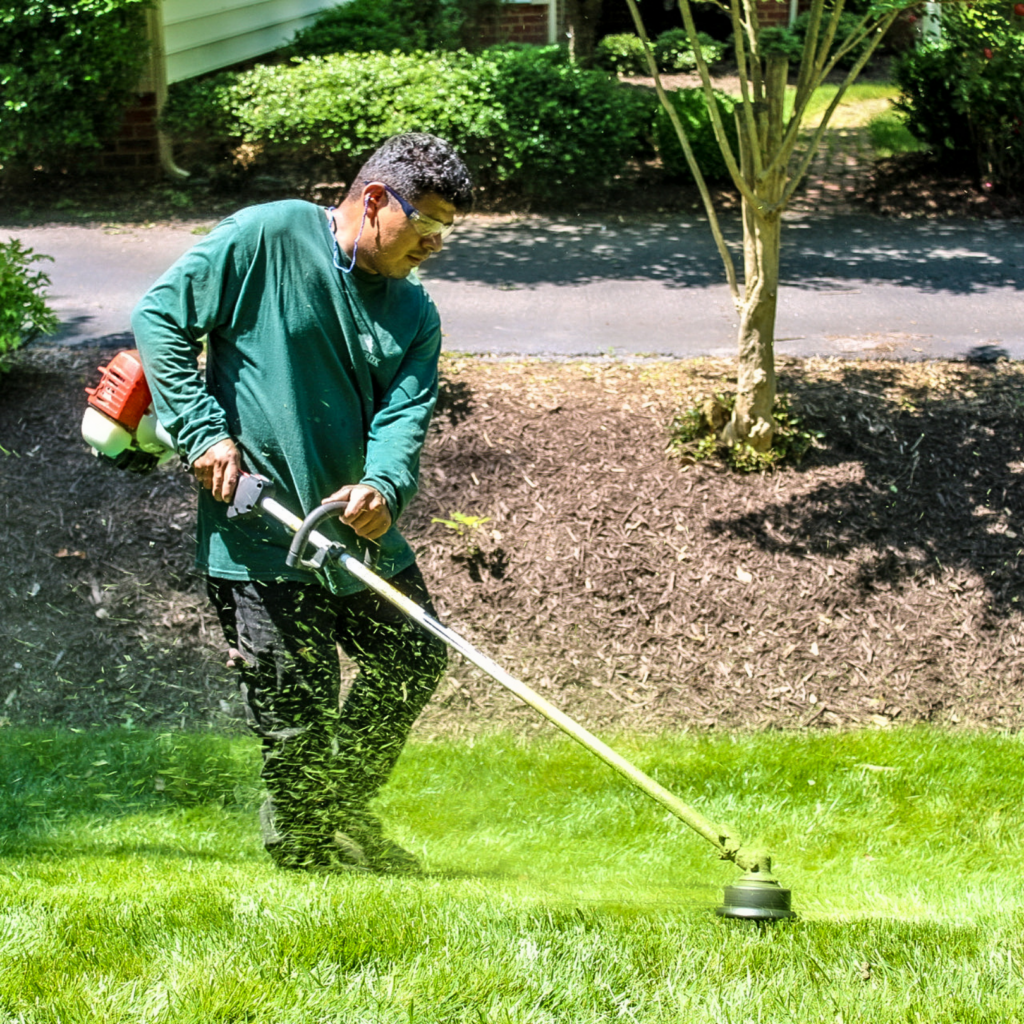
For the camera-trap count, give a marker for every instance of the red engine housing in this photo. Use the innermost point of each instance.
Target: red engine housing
(122, 393)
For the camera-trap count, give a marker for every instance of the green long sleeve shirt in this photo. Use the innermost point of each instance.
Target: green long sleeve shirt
(322, 378)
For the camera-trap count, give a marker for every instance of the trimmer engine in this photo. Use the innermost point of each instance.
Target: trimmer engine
(119, 422)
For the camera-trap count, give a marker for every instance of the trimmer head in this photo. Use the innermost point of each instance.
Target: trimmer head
(756, 898)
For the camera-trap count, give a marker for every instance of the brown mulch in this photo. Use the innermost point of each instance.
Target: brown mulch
(877, 582)
(914, 186)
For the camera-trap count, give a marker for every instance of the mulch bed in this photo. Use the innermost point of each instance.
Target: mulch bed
(913, 185)
(876, 582)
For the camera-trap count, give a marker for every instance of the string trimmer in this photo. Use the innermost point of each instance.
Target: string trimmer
(757, 895)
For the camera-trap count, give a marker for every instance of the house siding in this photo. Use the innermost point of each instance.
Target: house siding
(200, 36)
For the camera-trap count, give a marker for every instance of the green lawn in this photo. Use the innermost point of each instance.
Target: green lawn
(133, 888)
(861, 103)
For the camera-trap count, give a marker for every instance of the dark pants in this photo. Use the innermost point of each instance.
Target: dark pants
(323, 763)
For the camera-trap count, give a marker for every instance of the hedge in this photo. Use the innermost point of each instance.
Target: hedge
(524, 119)
(693, 112)
(67, 71)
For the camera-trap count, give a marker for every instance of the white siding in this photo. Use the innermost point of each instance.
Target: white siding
(203, 35)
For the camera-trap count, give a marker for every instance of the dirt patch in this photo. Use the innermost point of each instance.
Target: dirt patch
(877, 582)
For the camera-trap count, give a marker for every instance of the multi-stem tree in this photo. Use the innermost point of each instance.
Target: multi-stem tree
(772, 160)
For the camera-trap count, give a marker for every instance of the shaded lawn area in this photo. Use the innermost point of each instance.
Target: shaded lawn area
(132, 886)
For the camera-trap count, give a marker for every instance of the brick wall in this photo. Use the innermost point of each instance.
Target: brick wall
(135, 149)
(773, 12)
(516, 23)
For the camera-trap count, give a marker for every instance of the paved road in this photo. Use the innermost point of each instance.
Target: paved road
(852, 286)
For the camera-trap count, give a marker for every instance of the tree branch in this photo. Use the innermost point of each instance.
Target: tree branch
(691, 161)
(716, 121)
(813, 79)
(807, 58)
(739, 30)
(879, 31)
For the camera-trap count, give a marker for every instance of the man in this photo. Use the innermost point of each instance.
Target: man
(321, 374)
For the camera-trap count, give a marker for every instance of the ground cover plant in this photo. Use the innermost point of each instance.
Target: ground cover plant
(132, 886)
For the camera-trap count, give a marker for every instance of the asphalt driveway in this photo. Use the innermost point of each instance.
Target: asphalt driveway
(582, 286)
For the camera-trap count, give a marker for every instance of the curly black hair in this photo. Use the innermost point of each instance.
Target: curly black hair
(415, 164)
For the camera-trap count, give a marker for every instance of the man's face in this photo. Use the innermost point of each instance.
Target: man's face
(391, 245)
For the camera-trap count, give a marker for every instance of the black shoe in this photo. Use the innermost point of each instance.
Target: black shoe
(366, 834)
(359, 845)
(340, 853)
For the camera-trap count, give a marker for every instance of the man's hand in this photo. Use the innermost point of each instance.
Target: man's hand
(217, 469)
(367, 511)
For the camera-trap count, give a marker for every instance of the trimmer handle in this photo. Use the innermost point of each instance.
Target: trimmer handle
(254, 494)
(309, 524)
(250, 490)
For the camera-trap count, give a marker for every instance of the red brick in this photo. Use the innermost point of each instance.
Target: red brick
(117, 161)
(137, 131)
(136, 145)
(772, 12)
(140, 115)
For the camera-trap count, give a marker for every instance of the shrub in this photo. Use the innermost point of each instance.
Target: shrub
(359, 26)
(343, 106)
(964, 96)
(199, 110)
(674, 54)
(527, 119)
(567, 126)
(68, 68)
(693, 111)
(23, 309)
(365, 26)
(789, 42)
(622, 54)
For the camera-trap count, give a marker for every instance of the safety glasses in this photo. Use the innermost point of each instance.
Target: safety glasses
(423, 224)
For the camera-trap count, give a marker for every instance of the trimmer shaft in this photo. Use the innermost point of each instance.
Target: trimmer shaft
(756, 896)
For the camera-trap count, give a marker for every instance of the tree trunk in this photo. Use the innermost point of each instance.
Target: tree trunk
(752, 420)
(582, 17)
